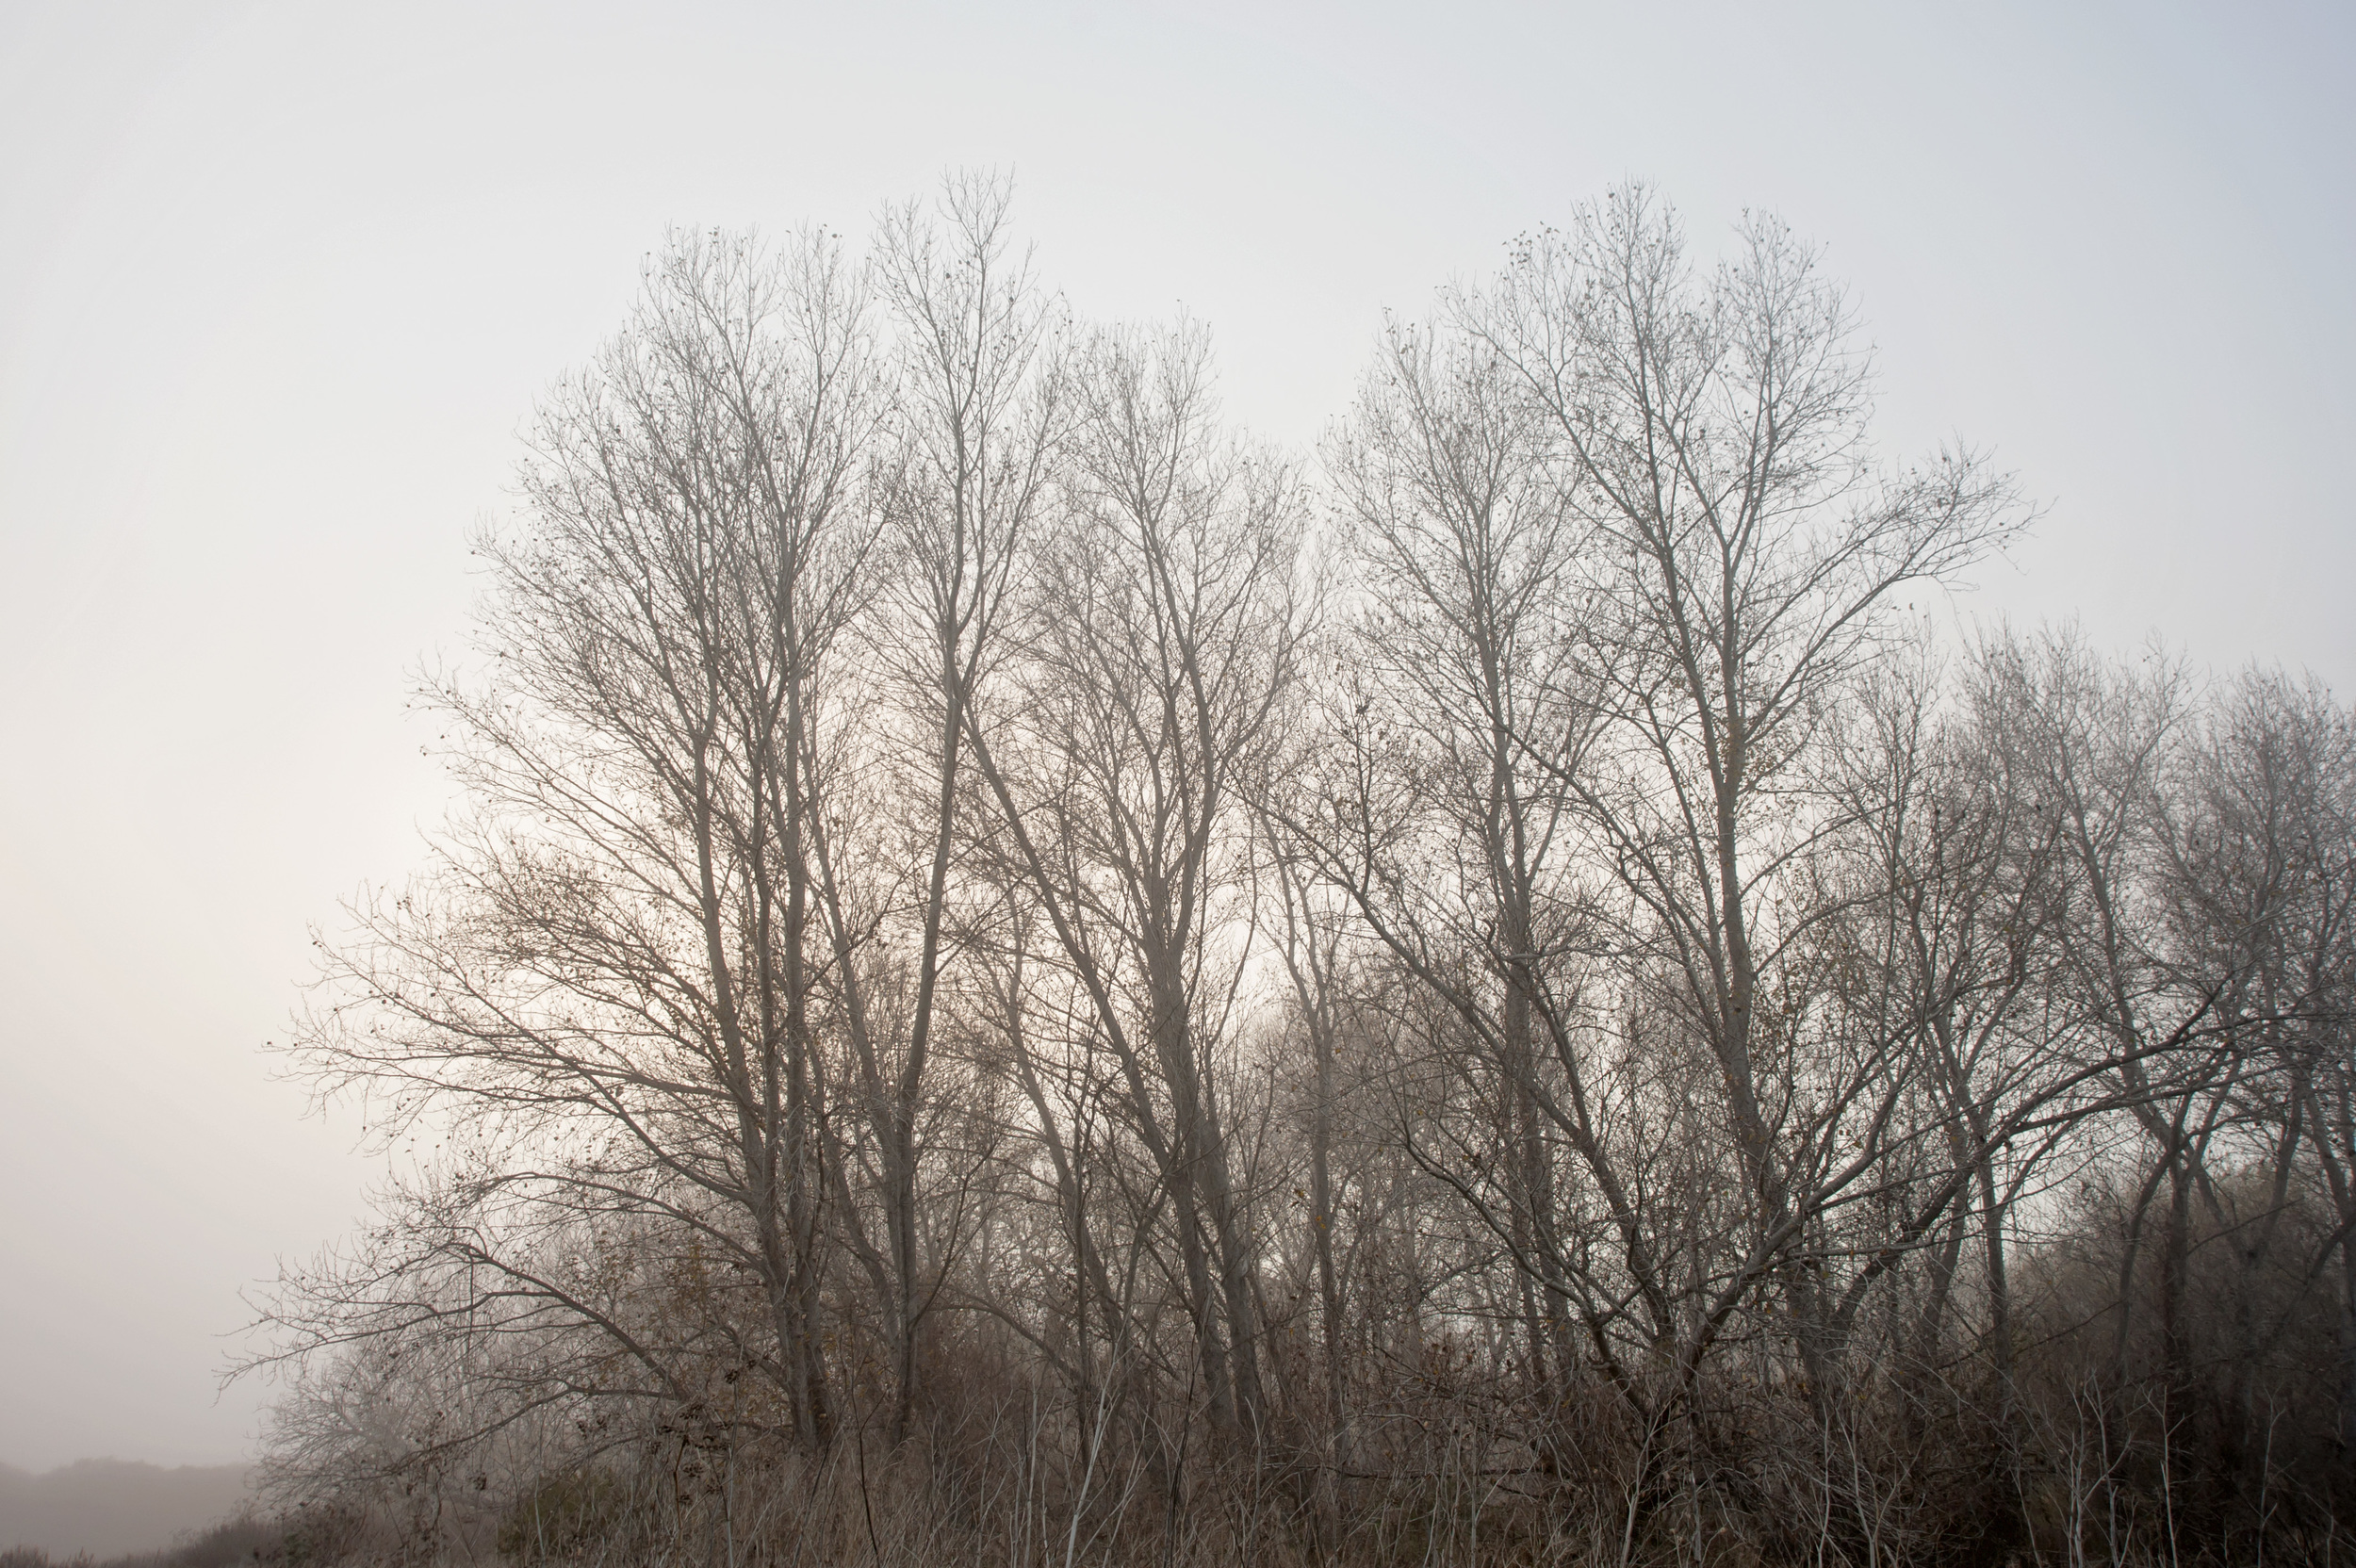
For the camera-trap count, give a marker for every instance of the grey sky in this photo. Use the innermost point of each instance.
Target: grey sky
(277, 289)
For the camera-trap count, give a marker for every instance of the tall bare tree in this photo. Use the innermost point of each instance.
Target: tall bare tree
(973, 425)
(1166, 627)
(614, 959)
(1747, 545)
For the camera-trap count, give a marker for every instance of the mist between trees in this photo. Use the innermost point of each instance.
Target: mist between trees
(1024, 978)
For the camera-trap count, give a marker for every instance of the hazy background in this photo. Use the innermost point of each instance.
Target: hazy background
(277, 289)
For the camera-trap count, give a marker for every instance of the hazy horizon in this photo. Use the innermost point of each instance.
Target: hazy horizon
(108, 1506)
(277, 291)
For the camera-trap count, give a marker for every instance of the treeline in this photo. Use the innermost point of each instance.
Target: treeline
(243, 1539)
(1025, 979)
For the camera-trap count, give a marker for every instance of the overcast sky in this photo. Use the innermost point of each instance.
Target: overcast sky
(278, 286)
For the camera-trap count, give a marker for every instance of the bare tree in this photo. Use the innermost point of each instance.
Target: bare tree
(612, 967)
(975, 420)
(1165, 628)
(2253, 831)
(1445, 817)
(1714, 438)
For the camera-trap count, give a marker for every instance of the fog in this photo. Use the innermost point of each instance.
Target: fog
(278, 289)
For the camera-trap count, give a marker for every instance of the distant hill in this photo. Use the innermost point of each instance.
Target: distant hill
(108, 1507)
